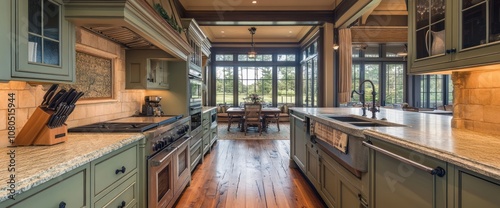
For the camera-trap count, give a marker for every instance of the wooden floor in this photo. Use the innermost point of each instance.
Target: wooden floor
(249, 173)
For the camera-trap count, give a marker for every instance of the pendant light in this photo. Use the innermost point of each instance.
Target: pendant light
(252, 53)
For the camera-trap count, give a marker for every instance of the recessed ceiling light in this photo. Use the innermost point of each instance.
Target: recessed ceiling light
(222, 31)
(290, 31)
(254, 2)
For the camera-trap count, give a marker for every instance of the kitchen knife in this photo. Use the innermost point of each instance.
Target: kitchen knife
(53, 118)
(53, 101)
(50, 92)
(71, 106)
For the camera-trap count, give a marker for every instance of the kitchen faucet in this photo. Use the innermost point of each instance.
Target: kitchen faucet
(362, 98)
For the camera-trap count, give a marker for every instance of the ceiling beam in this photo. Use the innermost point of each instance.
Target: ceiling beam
(207, 18)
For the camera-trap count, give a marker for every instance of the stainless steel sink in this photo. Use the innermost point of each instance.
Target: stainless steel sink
(363, 122)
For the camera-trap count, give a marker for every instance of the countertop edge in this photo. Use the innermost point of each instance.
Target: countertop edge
(446, 156)
(205, 109)
(59, 169)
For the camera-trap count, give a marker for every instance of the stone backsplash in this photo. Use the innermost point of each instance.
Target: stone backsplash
(29, 96)
(477, 101)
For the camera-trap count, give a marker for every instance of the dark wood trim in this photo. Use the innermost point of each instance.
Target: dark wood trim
(343, 7)
(180, 9)
(321, 67)
(207, 18)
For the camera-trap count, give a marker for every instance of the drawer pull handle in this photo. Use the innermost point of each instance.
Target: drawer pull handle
(120, 170)
(122, 205)
(439, 171)
(62, 204)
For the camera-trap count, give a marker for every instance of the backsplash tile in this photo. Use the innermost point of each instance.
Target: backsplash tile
(28, 97)
(477, 101)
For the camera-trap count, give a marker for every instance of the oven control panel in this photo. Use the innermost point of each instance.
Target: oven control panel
(167, 135)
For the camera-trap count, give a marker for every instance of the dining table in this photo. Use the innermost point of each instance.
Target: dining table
(240, 112)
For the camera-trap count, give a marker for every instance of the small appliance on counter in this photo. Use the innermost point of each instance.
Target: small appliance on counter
(152, 106)
(47, 124)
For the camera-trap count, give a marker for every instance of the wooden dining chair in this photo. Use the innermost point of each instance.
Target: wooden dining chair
(273, 118)
(253, 117)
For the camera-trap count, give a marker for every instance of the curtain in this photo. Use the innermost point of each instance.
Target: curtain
(345, 65)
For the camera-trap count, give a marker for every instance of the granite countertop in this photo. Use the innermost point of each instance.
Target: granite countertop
(35, 165)
(429, 134)
(205, 109)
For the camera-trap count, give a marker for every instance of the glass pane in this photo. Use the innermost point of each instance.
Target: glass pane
(421, 44)
(355, 52)
(228, 57)
(468, 3)
(50, 52)
(282, 72)
(34, 49)
(474, 26)
(281, 57)
(372, 72)
(51, 20)
(372, 51)
(164, 179)
(450, 91)
(219, 57)
(393, 50)
(267, 57)
(242, 57)
(290, 57)
(257, 58)
(437, 10)
(394, 84)
(422, 13)
(494, 20)
(35, 16)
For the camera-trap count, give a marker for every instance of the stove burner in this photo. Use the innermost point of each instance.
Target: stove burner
(115, 127)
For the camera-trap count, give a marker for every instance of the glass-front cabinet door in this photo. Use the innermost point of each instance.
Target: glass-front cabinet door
(429, 40)
(478, 28)
(44, 41)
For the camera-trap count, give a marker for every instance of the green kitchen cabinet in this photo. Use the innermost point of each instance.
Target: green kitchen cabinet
(196, 150)
(475, 190)
(213, 135)
(338, 186)
(72, 189)
(398, 174)
(298, 140)
(114, 176)
(42, 40)
(312, 164)
(447, 34)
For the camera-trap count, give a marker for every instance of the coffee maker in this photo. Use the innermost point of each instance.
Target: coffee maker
(152, 106)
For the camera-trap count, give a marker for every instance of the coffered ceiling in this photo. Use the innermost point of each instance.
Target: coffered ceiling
(277, 21)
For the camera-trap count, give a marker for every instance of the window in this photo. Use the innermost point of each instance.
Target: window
(258, 57)
(286, 57)
(394, 89)
(255, 80)
(433, 91)
(450, 91)
(224, 57)
(286, 84)
(224, 85)
(44, 32)
(309, 66)
(386, 72)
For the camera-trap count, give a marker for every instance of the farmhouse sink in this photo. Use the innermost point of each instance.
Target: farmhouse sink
(362, 121)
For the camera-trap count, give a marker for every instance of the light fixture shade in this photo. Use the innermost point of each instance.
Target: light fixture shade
(335, 47)
(252, 54)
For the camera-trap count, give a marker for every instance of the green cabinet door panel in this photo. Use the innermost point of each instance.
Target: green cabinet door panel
(474, 191)
(329, 181)
(299, 140)
(70, 190)
(397, 184)
(124, 194)
(110, 170)
(312, 165)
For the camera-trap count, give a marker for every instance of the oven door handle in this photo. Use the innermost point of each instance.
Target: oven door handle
(164, 154)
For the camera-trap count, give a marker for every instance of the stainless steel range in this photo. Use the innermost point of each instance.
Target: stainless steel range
(166, 163)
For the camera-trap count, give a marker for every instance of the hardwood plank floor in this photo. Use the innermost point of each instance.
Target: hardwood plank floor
(249, 173)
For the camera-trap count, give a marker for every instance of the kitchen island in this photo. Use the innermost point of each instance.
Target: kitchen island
(470, 159)
(37, 166)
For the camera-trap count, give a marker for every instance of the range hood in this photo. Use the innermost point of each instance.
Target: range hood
(132, 23)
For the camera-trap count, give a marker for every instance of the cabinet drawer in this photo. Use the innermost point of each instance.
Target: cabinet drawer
(205, 118)
(112, 169)
(70, 191)
(206, 128)
(125, 193)
(475, 191)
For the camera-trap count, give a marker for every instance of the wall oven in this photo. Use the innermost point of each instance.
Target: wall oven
(195, 88)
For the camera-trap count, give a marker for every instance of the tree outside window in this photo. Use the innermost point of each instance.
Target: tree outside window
(286, 84)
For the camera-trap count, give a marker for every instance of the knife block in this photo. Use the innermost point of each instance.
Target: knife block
(36, 131)
(48, 136)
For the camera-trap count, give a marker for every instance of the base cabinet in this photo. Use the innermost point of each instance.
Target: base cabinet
(298, 140)
(405, 184)
(313, 165)
(474, 190)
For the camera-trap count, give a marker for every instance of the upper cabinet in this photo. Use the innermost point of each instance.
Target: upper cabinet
(42, 41)
(446, 34)
(198, 42)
